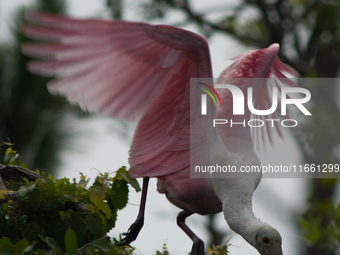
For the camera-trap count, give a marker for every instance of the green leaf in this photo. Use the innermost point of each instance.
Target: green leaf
(218, 250)
(102, 217)
(28, 249)
(61, 182)
(20, 246)
(71, 242)
(51, 177)
(51, 242)
(10, 156)
(95, 225)
(222, 249)
(50, 186)
(22, 192)
(33, 200)
(3, 194)
(125, 175)
(9, 150)
(102, 242)
(105, 209)
(39, 252)
(91, 250)
(165, 251)
(119, 193)
(91, 208)
(97, 195)
(114, 217)
(23, 165)
(56, 251)
(6, 245)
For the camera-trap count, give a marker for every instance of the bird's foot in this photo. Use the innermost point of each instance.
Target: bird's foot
(197, 248)
(132, 233)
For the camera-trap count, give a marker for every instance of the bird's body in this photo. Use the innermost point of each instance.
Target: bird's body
(194, 195)
(137, 70)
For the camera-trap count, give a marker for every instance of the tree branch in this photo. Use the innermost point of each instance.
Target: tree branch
(16, 173)
(202, 22)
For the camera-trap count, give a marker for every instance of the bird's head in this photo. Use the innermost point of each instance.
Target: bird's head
(267, 240)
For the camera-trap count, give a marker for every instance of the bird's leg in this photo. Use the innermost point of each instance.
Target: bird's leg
(134, 229)
(198, 245)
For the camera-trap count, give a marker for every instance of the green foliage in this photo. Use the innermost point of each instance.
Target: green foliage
(12, 158)
(218, 250)
(21, 247)
(155, 9)
(215, 250)
(164, 251)
(325, 235)
(57, 216)
(63, 215)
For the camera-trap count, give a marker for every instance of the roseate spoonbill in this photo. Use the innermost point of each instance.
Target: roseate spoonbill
(136, 70)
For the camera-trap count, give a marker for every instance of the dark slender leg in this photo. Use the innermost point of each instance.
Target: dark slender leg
(134, 229)
(198, 245)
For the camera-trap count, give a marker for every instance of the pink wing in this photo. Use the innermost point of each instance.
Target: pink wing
(114, 68)
(128, 70)
(262, 63)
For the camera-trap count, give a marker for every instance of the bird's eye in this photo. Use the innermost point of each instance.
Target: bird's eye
(265, 239)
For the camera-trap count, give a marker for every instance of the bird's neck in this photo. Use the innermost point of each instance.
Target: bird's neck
(233, 147)
(236, 197)
(235, 190)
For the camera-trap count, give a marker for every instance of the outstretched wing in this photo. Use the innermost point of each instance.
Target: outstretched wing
(262, 70)
(128, 70)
